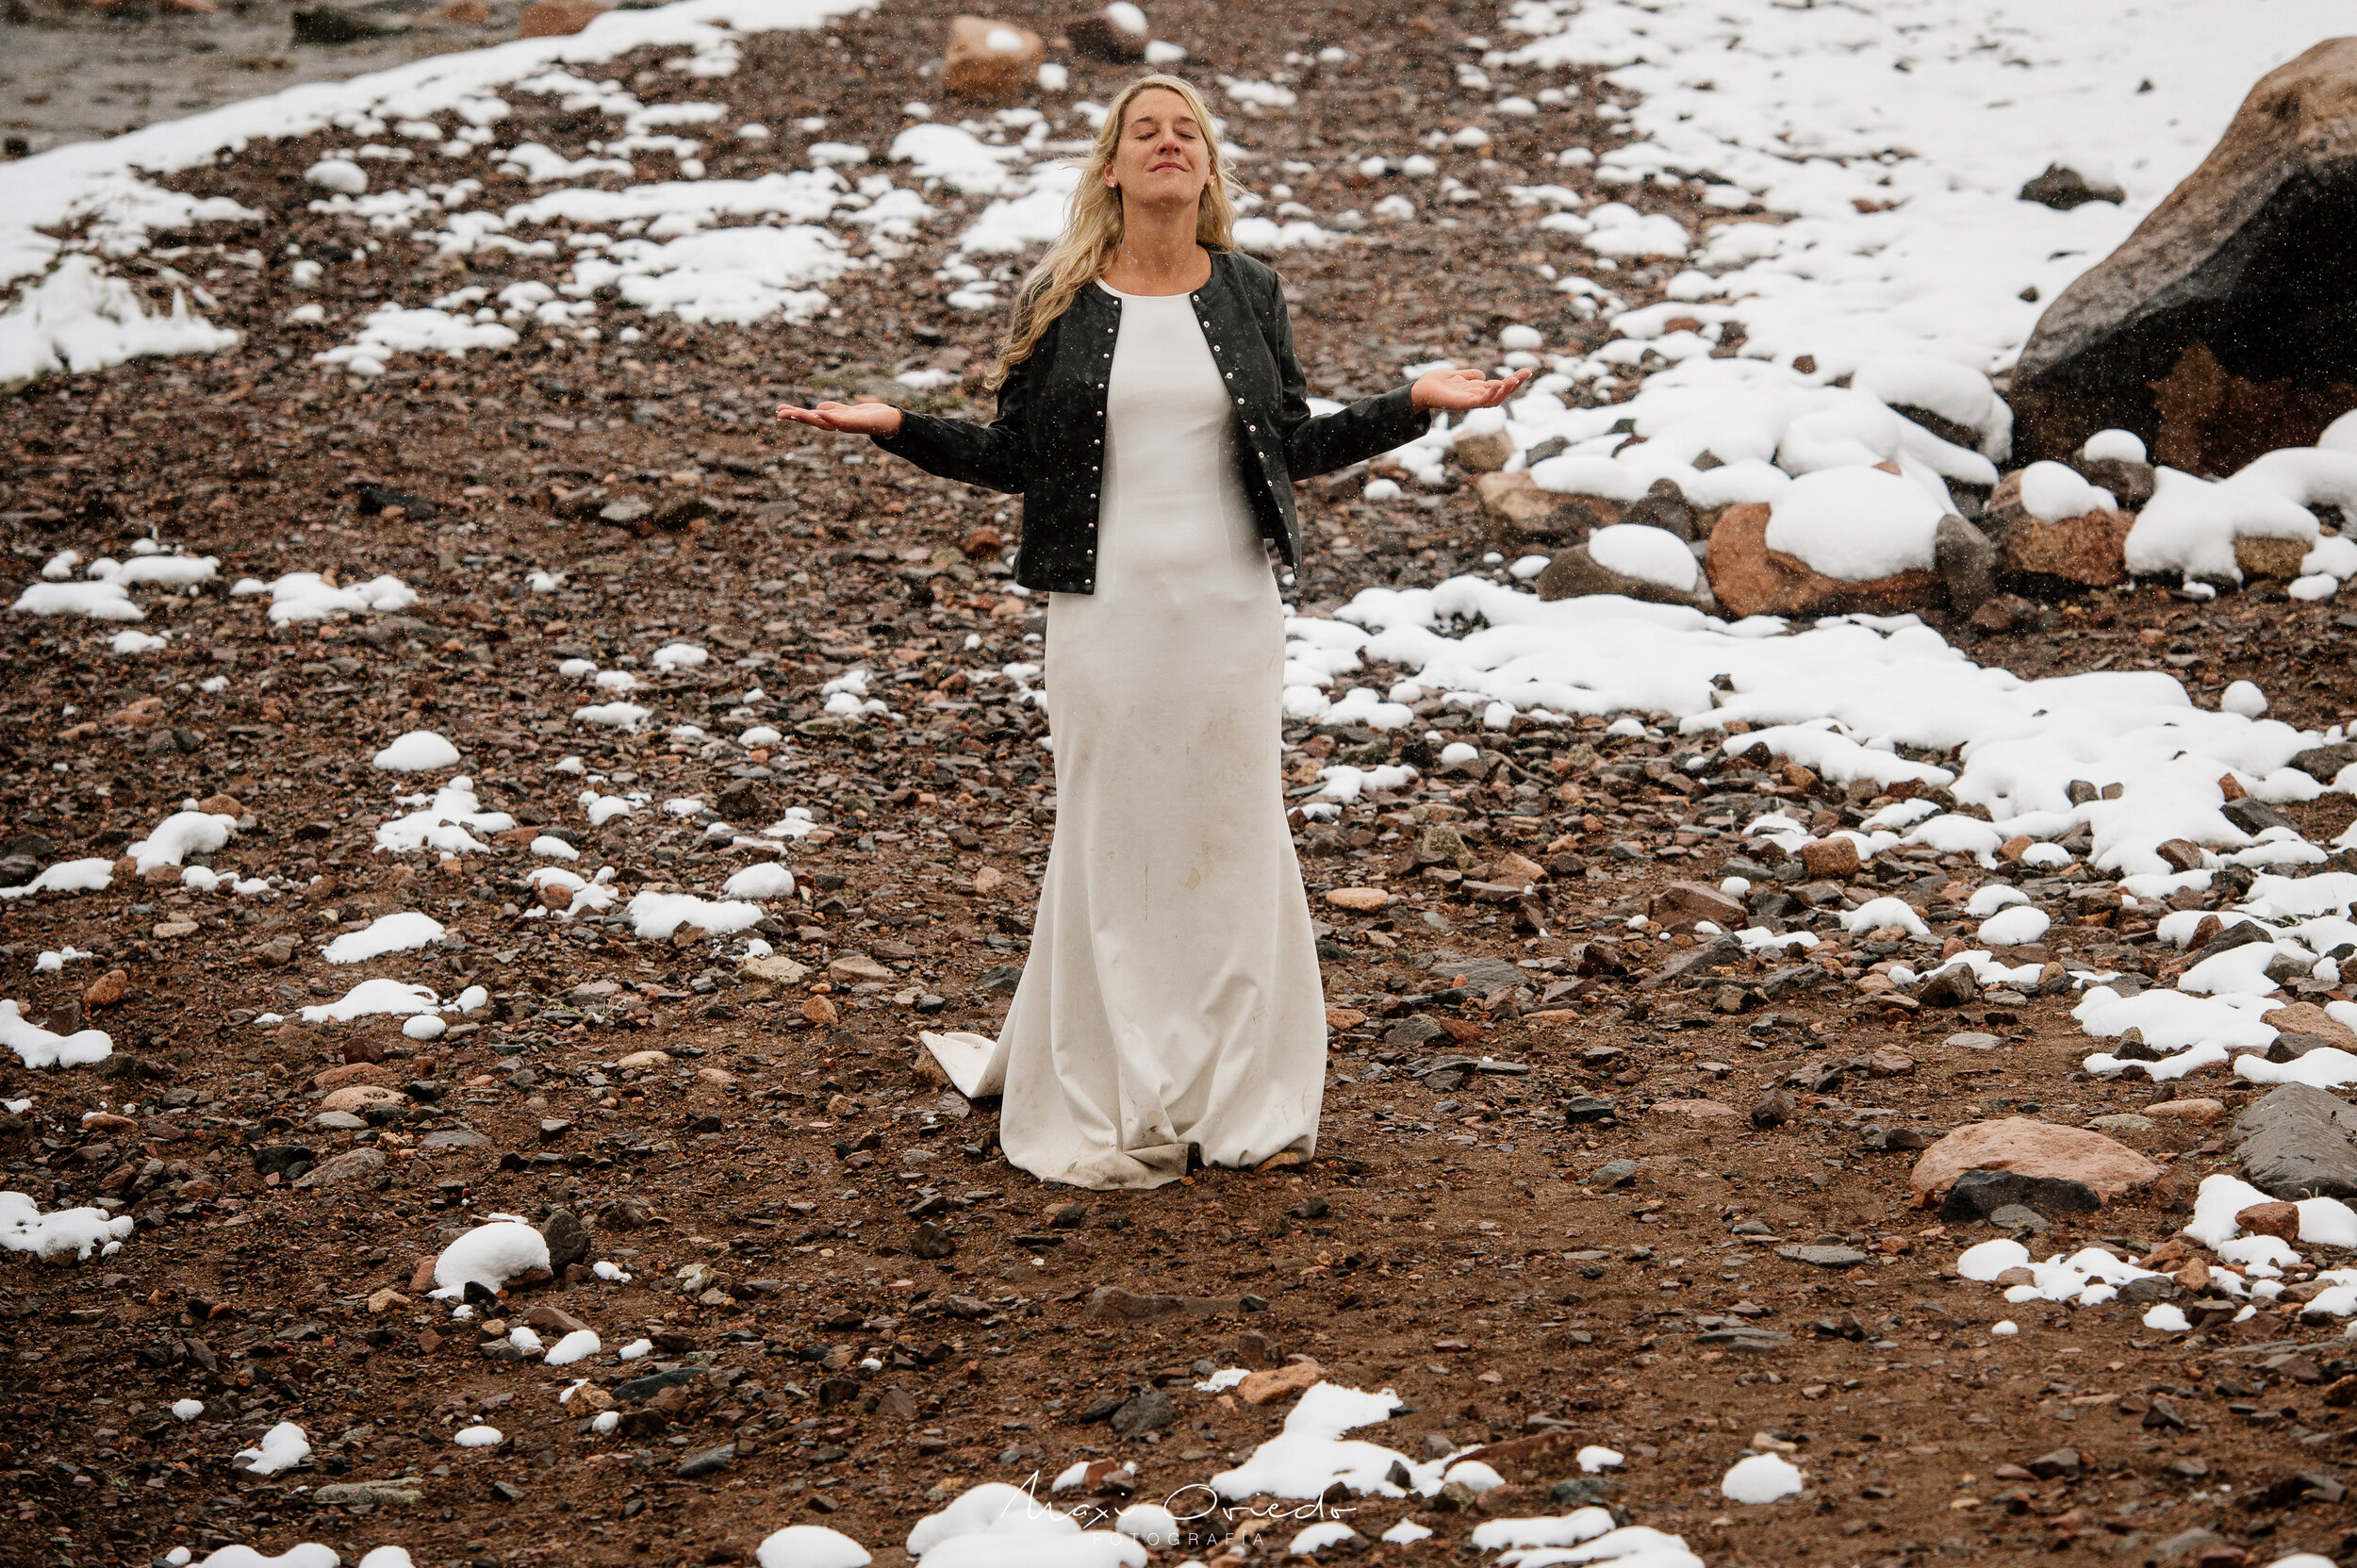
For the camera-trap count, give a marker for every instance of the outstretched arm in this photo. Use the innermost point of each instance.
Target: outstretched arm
(1371, 426)
(989, 455)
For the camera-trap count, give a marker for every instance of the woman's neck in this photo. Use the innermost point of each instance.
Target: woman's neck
(1157, 254)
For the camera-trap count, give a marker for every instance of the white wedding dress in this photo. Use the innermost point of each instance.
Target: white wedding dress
(1171, 999)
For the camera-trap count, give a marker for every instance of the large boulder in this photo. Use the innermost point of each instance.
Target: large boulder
(2105, 1167)
(2217, 331)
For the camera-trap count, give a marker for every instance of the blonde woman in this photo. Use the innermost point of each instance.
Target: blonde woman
(1153, 414)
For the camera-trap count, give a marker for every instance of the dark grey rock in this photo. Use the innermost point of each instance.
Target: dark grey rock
(1693, 965)
(2324, 762)
(2063, 187)
(1965, 559)
(1588, 1109)
(639, 1390)
(1614, 1173)
(335, 25)
(2014, 1219)
(1980, 1193)
(1758, 1341)
(1146, 1411)
(2299, 1142)
(280, 1157)
(706, 1462)
(567, 1239)
(2255, 817)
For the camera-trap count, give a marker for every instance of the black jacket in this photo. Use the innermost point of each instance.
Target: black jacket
(1049, 441)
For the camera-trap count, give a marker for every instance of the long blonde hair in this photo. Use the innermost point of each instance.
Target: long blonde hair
(1093, 225)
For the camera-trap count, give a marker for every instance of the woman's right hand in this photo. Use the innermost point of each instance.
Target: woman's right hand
(851, 418)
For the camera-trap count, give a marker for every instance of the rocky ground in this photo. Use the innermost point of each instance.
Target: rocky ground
(76, 71)
(1573, 1185)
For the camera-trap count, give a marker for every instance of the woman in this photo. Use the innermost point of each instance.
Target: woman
(1151, 411)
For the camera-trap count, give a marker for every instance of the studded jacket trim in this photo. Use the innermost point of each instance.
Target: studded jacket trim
(1047, 443)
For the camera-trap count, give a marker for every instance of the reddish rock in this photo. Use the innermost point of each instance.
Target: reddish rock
(1747, 578)
(2180, 853)
(2087, 548)
(1831, 857)
(990, 59)
(2278, 1219)
(2030, 1148)
(1259, 1388)
(557, 18)
(107, 989)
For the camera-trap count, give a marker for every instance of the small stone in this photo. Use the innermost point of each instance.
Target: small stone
(107, 989)
(2278, 1219)
(1890, 1064)
(1613, 1173)
(1774, 1109)
(364, 1493)
(1831, 857)
(818, 1010)
(2180, 854)
(2199, 1112)
(353, 1165)
(776, 969)
(1950, 988)
(1684, 903)
(1694, 1109)
(1360, 899)
(1973, 1040)
(931, 1241)
(332, 25)
(1259, 1388)
(2062, 1463)
(1821, 1256)
(859, 966)
(1146, 1411)
(567, 1240)
(557, 18)
(706, 1462)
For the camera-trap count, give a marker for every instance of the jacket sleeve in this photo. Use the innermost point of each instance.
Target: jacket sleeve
(1321, 444)
(992, 455)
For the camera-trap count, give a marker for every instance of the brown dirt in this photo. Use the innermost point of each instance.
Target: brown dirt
(1453, 1238)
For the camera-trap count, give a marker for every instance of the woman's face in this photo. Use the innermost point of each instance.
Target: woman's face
(1162, 156)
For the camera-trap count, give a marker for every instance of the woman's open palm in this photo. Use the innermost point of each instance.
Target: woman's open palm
(1465, 388)
(851, 418)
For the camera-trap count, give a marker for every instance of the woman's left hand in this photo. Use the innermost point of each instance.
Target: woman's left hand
(1465, 388)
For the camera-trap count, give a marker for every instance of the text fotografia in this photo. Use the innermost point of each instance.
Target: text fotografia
(1202, 1515)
